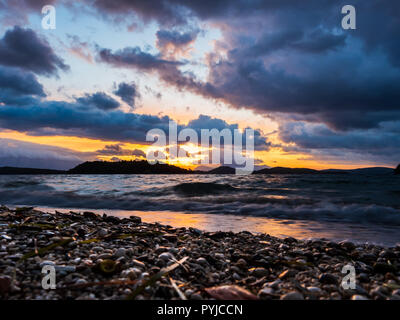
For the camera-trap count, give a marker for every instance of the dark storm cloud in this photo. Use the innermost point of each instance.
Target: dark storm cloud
(378, 144)
(168, 70)
(33, 4)
(24, 49)
(335, 88)
(207, 122)
(315, 41)
(19, 82)
(175, 41)
(127, 92)
(137, 58)
(172, 12)
(291, 58)
(99, 100)
(340, 90)
(71, 119)
(17, 87)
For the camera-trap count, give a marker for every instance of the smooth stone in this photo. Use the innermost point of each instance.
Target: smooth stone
(314, 290)
(287, 274)
(102, 232)
(202, 261)
(327, 278)
(80, 281)
(235, 276)
(258, 272)
(47, 263)
(294, 295)
(104, 256)
(266, 292)
(165, 256)
(65, 268)
(120, 252)
(274, 284)
(138, 263)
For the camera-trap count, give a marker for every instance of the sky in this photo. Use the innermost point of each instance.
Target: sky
(317, 96)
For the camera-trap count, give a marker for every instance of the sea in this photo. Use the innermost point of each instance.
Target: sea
(362, 208)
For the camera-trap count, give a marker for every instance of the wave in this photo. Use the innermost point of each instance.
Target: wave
(20, 184)
(239, 204)
(202, 188)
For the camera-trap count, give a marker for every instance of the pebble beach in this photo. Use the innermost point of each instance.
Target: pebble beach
(100, 257)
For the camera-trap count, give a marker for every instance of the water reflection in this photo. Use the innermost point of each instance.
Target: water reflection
(384, 235)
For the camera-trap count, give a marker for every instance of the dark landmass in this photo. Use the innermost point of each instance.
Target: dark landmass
(127, 167)
(281, 170)
(143, 167)
(13, 170)
(222, 170)
(373, 170)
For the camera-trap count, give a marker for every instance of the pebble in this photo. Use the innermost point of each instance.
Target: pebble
(165, 256)
(202, 261)
(102, 232)
(274, 284)
(120, 252)
(294, 295)
(80, 281)
(104, 256)
(258, 272)
(314, 290)
(328, 278)
(266, 292)
(256, 262)
(138, 263)
(287, 274)
(47, 263)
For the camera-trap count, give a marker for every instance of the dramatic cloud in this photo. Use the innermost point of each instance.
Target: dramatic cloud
(333, 91)
(24, 49)
(72, 119)
(378, 145)
(17, 87)
(127, 92)
(175, 44)
(99, 100)
(283, 58)
(168, 70)
(207, 122)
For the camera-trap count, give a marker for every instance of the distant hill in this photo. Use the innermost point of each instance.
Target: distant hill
(143, 167)
(126, 167)
(373, 170)
(282, 170)
(14, 170)
(222, 170)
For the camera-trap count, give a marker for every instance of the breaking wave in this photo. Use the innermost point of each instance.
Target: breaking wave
(273, 197)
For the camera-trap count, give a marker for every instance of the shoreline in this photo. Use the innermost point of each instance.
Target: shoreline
(106, 257)
(332, 230)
